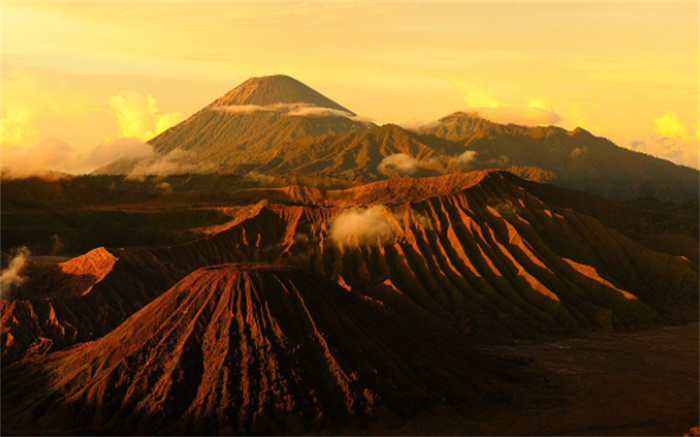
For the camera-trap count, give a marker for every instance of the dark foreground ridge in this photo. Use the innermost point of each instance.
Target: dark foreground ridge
(246, 348)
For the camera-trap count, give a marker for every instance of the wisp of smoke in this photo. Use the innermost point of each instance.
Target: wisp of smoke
(12, 276)
(399, 162)
(361, 226)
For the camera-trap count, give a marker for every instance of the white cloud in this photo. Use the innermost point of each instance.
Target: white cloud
(138, 115)
(54, 155)
(401, 163)
(175, 162)
(466, 157)
(361, 226)
(292, 109)
(12, 276)
(669, 126)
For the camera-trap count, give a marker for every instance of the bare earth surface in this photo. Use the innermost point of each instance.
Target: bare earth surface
(630, 383)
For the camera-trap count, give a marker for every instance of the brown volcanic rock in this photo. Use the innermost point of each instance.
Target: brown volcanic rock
(225, 138)
(228, 140)
(243, 349)
(406, 190)
(355, 154)
(270, 90)
(81, 299)
(482, 255)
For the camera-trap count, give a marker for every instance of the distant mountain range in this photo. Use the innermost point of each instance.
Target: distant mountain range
(276, 125)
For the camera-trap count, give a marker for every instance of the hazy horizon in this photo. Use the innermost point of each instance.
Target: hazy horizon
(83, 76)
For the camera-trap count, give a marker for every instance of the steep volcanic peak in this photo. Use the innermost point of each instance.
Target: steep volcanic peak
(275, 90)
(244, 348)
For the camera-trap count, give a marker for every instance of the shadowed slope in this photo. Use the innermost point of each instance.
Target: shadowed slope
(278, 125)
(238, 349)
(232, 131)
(579, 159)
(481, 255)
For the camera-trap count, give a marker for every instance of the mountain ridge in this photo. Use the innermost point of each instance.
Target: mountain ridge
(449, 253)
(253, 128)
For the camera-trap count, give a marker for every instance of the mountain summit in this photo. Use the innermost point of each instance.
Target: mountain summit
(277, 89)
(278, 126)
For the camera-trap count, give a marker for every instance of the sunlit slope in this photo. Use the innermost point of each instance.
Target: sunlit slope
(254, 117)
(238, 349)
(276, 125)
(477, 253)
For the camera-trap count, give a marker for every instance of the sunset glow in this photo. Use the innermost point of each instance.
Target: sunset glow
(88, 74)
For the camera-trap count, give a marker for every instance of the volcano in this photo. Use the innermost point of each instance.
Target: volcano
(230, 133)
(244, 348)
(277, 125)
(274, 90)
(482, 254)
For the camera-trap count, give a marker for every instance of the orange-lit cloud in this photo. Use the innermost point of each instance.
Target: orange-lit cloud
(479, 95)
(668, 126)
(138, 115)
(368, 225)
(670, 141)
(15, 126)
(55, 156)
(610, 68)
(482, 99)
(539, 103)
(33, 104)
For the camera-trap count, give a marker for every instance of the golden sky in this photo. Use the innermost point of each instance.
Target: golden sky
(78, 78)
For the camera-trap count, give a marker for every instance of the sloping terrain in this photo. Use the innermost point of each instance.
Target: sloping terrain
(270, 90)
(239, 349)
(478, 254)
(235, 129)
(276, 125)
(579, 159)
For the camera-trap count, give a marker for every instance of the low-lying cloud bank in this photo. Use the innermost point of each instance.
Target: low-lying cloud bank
(292, 109)
(361, 226)
(55, 156)
(134, 158)
(173, 163)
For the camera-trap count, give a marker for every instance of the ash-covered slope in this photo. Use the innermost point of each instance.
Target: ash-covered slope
(238, 349)
(479, 253)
